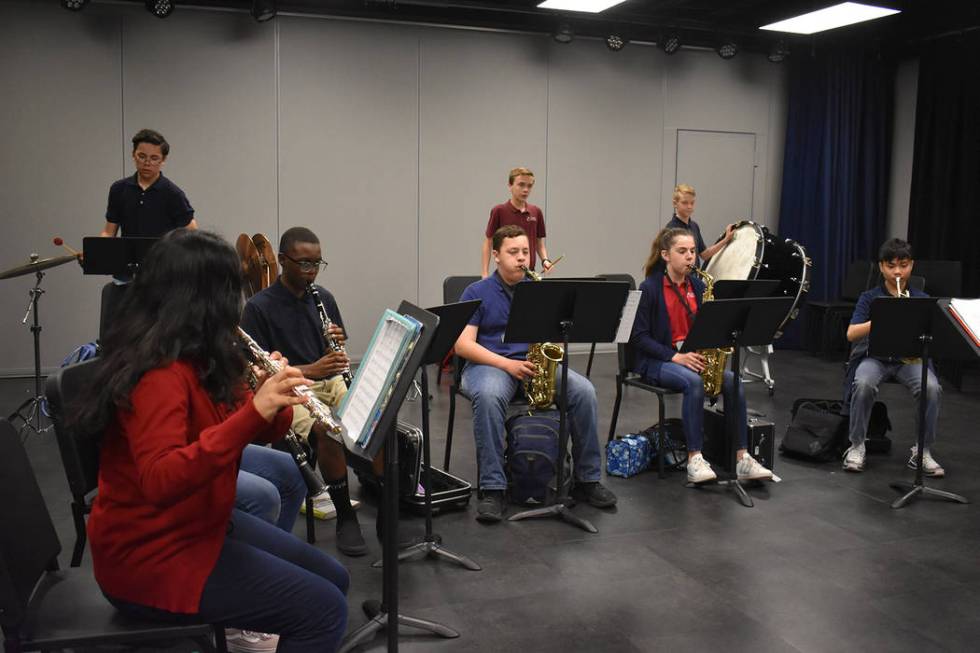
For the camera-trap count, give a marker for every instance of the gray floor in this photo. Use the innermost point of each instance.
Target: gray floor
(821, 563)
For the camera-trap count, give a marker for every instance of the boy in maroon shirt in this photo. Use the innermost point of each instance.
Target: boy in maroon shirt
(518, 211)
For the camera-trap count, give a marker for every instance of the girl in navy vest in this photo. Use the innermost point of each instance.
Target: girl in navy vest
(668, 308)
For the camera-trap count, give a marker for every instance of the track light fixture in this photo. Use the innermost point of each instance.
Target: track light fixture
(670, 43)
(74, 5)
(727, 50)
(564, 33)
(263, 10)
(615, 42)
(159, 8)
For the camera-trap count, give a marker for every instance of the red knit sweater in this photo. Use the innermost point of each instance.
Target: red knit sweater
(167, 487)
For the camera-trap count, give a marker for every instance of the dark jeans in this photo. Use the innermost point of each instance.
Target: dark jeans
(678, 377)
(269, 581)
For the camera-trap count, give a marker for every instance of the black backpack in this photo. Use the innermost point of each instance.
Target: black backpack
(818, 432)
(532, 456)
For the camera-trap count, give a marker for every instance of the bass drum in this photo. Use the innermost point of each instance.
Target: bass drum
(755, 253)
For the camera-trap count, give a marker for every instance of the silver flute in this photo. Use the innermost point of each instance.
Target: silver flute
(318, 410)
(332, 343)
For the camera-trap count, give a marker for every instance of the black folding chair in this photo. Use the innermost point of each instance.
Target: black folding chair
(626, 377)
(452, 290)
(46, 608)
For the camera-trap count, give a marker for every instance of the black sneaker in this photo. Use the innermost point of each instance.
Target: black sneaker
(491, 506)
(349, 539)
(595, 494)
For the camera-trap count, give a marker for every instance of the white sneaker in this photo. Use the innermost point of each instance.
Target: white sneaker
(750, 469)
(854, 458)
(929, 465)
(699, 470)
(248, 641)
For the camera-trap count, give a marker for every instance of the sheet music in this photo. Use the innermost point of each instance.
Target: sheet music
(967, 313)
(376, 374)
(629, 315)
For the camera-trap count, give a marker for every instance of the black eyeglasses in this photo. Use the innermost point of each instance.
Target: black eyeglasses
(305, 265)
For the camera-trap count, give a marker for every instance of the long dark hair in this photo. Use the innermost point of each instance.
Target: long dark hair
(185, 304)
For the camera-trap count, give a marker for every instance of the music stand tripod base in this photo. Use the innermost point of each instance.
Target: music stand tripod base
(559, 510)
(732, 483)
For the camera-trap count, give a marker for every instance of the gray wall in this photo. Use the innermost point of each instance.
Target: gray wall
(391, 141)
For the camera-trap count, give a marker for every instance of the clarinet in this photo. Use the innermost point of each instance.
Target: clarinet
(332, 343)
(314, 484)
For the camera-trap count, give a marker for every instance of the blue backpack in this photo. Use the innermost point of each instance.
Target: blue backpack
(532, 456)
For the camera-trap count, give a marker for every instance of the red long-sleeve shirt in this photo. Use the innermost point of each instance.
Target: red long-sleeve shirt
(167, 488)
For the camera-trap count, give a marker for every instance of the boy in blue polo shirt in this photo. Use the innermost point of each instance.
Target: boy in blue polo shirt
(866, 373)
(493, 376)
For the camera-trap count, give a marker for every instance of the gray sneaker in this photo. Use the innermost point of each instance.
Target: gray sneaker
(854, 458)
(699, 470)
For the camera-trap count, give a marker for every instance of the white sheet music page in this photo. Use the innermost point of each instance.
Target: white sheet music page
(629, 315)
(373, 377)
(967, 313)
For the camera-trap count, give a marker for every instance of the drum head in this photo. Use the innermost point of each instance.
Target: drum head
(740, 258)
(251, 270)
(267, 259)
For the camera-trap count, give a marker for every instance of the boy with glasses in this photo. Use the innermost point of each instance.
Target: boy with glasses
(147, 204)
(284, 318)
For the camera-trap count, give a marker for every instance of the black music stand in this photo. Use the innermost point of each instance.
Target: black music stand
(452, 321)
(379, 613)
(114, 255)
(566, 311)
(736, 323)
(905, 329)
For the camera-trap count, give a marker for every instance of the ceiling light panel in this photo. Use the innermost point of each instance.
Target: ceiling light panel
(846, 13)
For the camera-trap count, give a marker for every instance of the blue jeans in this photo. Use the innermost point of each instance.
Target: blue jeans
(271, 582)
(270, 486)
(686, 380)
(869, 375)
(491, 389)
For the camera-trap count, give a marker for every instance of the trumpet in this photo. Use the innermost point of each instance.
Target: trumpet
(332, 342)
(898, 285)
(318, 410)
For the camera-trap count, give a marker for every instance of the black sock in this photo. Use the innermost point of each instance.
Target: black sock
(340, 495)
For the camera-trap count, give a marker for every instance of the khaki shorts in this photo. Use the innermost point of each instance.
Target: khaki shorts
(329, 391)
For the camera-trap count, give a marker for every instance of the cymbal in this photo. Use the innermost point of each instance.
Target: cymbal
(37, 265)
(251, 268)
(267, 258)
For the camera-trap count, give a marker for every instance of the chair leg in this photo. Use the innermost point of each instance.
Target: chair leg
(449, 427)
(588, 368)
(219, 639)
(660, 445)
(310, 521)
(78, 516)
(615, 415)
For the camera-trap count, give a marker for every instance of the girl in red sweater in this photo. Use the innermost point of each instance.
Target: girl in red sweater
(175, 414)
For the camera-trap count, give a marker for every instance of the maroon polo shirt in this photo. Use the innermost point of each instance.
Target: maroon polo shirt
(531, 219)
(680, 321)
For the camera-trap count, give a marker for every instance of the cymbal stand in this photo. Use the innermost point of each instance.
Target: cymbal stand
(30, 409)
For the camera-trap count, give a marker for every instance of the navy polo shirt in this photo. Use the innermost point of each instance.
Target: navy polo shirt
(862, 313)
(492, 315)
(280, 321)
(152, 212)
(692, 226)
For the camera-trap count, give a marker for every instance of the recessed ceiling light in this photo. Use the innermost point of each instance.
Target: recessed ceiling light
(591, 6)
(846, 13)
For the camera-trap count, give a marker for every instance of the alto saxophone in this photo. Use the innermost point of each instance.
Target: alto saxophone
(713, 373)
(332, 343)
(314, 484)
(545, 356)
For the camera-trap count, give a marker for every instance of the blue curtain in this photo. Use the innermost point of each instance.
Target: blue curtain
(836, 163)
